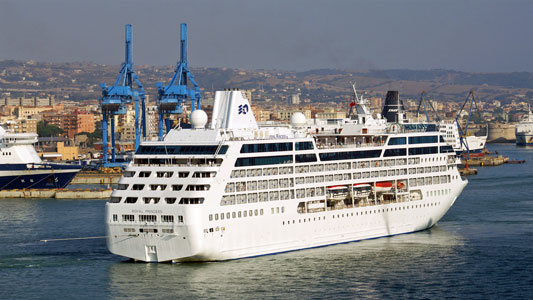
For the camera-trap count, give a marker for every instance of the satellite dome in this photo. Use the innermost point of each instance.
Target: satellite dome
(298, 120)
(198, 118)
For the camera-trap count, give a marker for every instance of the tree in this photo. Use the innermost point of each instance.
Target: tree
(92, 137)
(48, 130)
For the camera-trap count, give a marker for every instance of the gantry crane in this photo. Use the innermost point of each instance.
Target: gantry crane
(116, 97)
(423, 103)
(463, 132)
(172, 97)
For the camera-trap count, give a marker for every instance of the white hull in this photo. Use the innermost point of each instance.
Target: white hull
(269, 234)
(524, 139)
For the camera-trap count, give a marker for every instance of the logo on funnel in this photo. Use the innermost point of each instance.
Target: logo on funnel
(243, 109)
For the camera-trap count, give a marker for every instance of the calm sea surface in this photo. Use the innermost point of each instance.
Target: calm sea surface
(482, 249)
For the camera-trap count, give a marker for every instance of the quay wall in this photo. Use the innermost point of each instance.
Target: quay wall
(58, 194)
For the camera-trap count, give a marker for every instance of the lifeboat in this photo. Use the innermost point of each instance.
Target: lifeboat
(362, 189)
(337, 192)
(384, 186)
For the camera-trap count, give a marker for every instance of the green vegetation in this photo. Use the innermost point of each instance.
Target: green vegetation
(48, 130)
(92, 137)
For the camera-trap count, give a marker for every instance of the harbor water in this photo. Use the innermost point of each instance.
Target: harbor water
(482, 249)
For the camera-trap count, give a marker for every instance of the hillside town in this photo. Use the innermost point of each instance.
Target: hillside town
(38, 98)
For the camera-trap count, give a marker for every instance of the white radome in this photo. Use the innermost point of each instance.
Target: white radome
(198, 119)
(298, 120)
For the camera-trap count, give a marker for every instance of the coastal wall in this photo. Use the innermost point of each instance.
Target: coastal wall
(501, 133)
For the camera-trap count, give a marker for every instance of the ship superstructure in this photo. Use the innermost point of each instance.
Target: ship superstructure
(472, 143)
(22, 168)
(236, 189)
(524, 130)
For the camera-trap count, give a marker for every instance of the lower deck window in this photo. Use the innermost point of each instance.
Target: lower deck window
(147, 218)
(128, 218)
(167, 219)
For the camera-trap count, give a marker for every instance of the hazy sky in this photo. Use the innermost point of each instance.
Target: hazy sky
(482, 36)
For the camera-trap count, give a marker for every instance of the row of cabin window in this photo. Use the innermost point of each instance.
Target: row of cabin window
(169, 174)
(421, 181)
(270, 196)
(288, 182)
(366, 212)
(261, 172)
(331, 156)
(162, 187)
(6, 153)
(320, 167)
(259, 185)
(333, 166)
(236, 214)
(187, 161)
(437, 193)
(156, 200)
(312, 192)
(330, 167)
(148, 218)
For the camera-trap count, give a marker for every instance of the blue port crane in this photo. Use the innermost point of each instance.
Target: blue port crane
(424, 104)
(463, 132)
(115, 98)
(172, 97)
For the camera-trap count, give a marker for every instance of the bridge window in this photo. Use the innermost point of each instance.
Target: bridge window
(302, 158)
(395, 152)
(304, 146)
(423, 139)
(266, 160)
(349, 155)
(397, 141)
(270, 147)
(423, 150)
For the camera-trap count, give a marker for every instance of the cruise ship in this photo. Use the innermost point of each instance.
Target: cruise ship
(473, 144)
(234, 189)
(22, 168)
(524, 130)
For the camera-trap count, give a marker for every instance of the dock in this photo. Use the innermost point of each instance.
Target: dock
(58, 194)
(467, 172)
(486, 161)
(96, 178)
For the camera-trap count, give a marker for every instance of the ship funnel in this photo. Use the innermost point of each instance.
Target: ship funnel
(393, 110)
